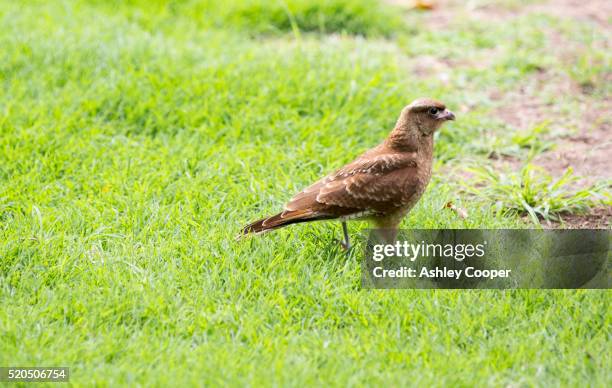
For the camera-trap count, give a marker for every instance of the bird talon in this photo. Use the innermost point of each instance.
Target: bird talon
(342, 244)
(346, 246)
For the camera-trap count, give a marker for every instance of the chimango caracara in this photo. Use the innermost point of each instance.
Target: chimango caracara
(381, 185)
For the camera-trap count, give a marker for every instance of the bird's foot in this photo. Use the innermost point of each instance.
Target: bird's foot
(346, 245)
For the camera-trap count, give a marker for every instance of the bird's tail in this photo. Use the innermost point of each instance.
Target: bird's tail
(280, 220)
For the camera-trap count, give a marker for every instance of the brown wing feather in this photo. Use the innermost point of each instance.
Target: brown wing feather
(377, 183)
(381, 194)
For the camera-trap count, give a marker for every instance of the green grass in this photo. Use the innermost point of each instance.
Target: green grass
(533, 192)
(136, 139)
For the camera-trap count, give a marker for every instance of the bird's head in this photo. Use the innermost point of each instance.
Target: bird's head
(424, 115)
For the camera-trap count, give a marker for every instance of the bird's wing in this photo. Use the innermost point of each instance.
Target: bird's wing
(375, 184)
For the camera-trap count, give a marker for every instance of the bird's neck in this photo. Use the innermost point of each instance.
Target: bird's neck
(403, 140)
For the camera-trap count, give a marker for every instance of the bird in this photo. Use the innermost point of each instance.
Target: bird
(382, 185)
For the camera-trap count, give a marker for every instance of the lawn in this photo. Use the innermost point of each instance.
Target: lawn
(137, 138)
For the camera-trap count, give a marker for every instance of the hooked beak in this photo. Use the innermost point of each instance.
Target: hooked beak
(447, 115)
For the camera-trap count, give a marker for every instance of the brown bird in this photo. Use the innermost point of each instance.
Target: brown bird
(382, 185)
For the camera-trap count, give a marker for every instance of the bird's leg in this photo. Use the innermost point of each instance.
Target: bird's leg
(346, 243)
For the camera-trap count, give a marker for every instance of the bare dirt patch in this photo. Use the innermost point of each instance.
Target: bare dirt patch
(440, 14)
(582, 137)
(588, 151)
(600, 218)
(588, 154)
(597, 11)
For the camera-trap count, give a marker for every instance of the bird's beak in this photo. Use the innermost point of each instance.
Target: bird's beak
(447, 115)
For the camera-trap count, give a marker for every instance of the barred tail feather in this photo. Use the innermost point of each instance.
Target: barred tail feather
(281, 220)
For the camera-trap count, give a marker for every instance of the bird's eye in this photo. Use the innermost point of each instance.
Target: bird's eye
(433, 111)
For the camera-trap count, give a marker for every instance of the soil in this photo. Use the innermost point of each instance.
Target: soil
(441, 13)
(585, 143)
(600, 218)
